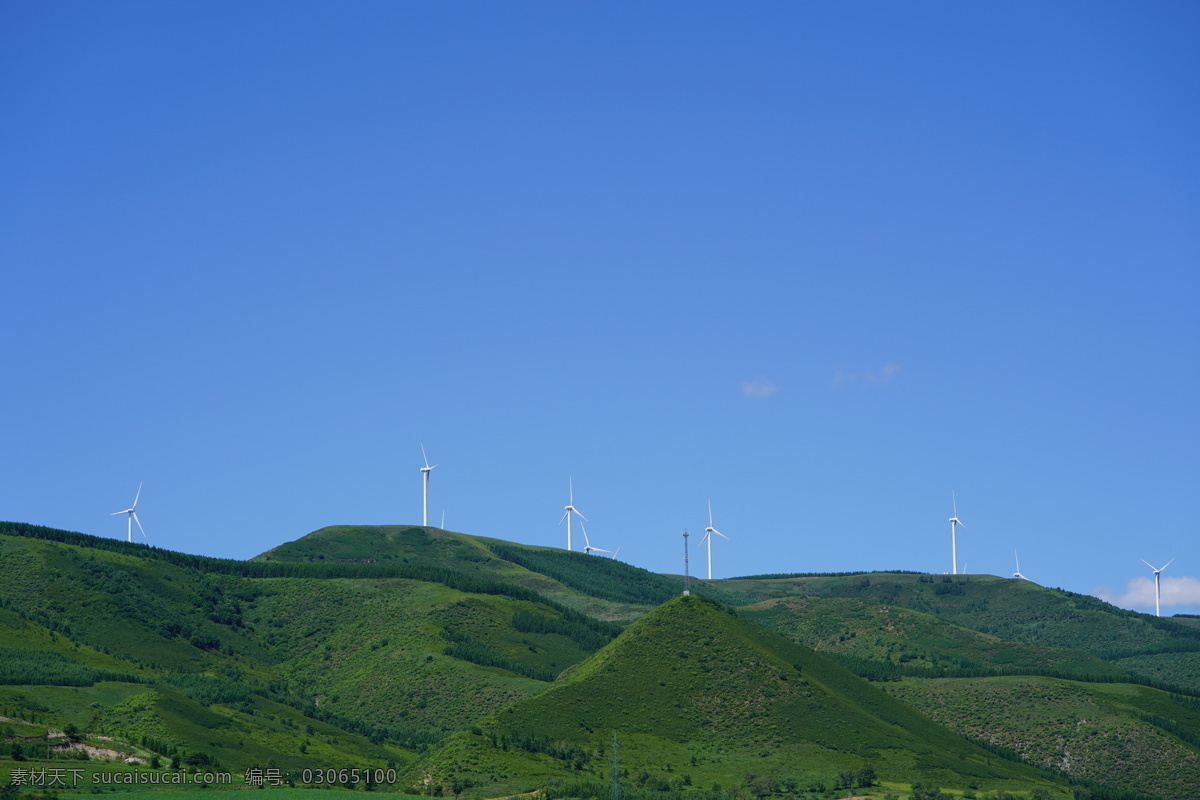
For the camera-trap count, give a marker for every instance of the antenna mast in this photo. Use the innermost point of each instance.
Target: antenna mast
(687, 581)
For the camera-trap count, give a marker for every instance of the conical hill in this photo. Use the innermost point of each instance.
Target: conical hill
(700, 696)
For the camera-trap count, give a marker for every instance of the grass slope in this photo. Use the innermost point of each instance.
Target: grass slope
(376, 650)
(142, 721)
(1013, 610)
(1134, 737)
(384, 661)
(875, 631)
(600, 587)
(397, 636)
(694, 684)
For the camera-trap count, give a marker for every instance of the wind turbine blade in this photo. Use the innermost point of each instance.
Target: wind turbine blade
(126, 511)
(705, 537)
(139, 522)
(576, 510)
(136, 496)
(954, 501)
(1164, 566)
(1148, 564)
(571, 490)
(586, 541)
(600, 550)
(564, 517)
(425, 457)
(710, 513)
(1018, 560)
(723, 536)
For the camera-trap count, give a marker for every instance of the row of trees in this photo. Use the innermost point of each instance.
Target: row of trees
(23, 666)
(882, 671)
(598, 577)
(582, 635)
(465, 648)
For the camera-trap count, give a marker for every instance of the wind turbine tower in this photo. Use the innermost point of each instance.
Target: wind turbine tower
(1157, 587)
(954, 520)
(133, 517)
(425, 470)
(570, 509)
(708, 534)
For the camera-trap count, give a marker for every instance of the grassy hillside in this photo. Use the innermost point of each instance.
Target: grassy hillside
(1013, 610)
(901, 636)
(404, 654)
(387, 661)
(694, 684)
(367, 645)
(601, 587)
(1134, 737)
(1179, 669)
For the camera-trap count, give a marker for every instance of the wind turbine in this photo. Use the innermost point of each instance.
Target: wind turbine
(1018, 574)
(1157, 587)
(953, 542)
(587, 546)
(570, 509)
(708, 532)
(425, 470)
(133, 517)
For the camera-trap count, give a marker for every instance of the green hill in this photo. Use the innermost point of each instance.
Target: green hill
(386, 660)
(1013, 610)
(601, 587)
(918, 641)
(1134, 737)
(699, 695)
(368, 645)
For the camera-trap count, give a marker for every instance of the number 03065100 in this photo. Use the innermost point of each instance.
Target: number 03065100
(346, 776)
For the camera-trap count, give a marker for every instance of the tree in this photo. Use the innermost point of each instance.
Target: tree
(927, 791)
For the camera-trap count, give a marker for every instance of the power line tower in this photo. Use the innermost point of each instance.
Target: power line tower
(616, 772)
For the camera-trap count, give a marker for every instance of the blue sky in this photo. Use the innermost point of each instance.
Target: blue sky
(821, 263)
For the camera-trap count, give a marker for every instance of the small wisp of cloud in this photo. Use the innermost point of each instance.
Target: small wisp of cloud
(759, 388)
(1139, 593)
(881, 377)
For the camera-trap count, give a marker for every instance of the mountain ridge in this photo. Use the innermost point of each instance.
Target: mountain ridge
(408, 655)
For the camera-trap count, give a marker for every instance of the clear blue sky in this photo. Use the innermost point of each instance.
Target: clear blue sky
(823, 263)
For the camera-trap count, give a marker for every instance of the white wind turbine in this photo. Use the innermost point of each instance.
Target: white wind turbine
(425, 470)
(954, 520)
(132, 516)
(1157, 587)
(708, 532)
(587, 545)
(1018, 574)
(570, 509)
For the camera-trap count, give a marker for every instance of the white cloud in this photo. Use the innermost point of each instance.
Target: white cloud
(880, 377)
(1139, 593)
(760, 388)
